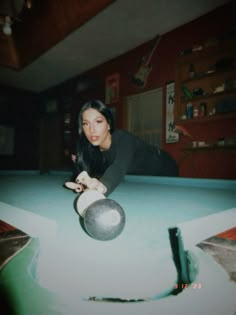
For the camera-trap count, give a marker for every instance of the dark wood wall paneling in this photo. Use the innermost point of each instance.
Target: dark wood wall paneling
(20, 109)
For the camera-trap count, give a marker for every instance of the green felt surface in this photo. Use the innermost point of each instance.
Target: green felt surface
(20, 294)
(151, 205)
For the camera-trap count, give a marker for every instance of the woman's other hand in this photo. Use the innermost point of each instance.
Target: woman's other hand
(91, 183)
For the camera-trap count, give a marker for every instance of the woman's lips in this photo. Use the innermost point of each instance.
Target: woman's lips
(94, 138)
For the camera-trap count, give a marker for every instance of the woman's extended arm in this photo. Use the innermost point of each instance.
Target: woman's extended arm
(123, 148)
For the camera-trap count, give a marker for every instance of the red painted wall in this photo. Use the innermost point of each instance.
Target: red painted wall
(210, 164)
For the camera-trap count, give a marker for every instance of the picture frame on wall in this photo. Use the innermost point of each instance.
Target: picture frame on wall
(171, 135)
(112, 86)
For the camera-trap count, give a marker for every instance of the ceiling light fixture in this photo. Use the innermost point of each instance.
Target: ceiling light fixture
(28, 4)
(7, 26)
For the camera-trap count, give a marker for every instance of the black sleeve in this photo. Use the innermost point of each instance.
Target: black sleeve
(124, 153)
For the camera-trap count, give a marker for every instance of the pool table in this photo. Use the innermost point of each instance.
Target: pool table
(62, 270)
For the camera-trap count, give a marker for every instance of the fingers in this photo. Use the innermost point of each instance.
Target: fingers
(101, 188)
(80, 189)
(91, 183)
(74, 186)
(83, 178)
(97, 185)
(71, 185)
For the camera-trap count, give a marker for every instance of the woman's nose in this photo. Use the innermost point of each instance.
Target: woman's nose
(92, 129)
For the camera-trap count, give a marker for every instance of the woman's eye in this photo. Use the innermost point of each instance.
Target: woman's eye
(99, 121)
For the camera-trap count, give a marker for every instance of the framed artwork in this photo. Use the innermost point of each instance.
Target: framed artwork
(112, 86)
(171, 135)
(7, 140)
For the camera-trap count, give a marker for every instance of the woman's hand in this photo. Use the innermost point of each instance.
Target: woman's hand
(77, 187)
(91, 183)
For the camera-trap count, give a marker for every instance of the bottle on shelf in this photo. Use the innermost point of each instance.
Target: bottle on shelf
(203, 109)
(191, 71)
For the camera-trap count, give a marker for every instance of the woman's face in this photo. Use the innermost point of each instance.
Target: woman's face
(96, 128)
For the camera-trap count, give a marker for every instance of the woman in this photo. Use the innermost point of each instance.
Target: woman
(106, 155)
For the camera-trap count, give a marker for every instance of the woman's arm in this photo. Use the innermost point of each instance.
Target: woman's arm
(84, 181)
(124, 148)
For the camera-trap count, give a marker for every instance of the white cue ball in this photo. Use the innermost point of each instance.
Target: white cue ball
(86, 199)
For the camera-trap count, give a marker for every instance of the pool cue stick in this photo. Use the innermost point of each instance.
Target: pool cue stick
(185, 264)
(186, 273)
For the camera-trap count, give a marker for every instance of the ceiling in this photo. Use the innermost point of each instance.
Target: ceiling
(104, 33)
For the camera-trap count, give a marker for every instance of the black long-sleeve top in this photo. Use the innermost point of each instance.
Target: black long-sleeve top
(130, 155)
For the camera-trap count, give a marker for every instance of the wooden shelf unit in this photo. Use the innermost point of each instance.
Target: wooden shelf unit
(210, 148)
(207, 119)
(207, 76)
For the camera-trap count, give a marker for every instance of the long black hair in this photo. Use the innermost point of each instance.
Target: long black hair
(89, 157)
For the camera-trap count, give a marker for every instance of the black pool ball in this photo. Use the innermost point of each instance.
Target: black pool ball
(104, 219)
